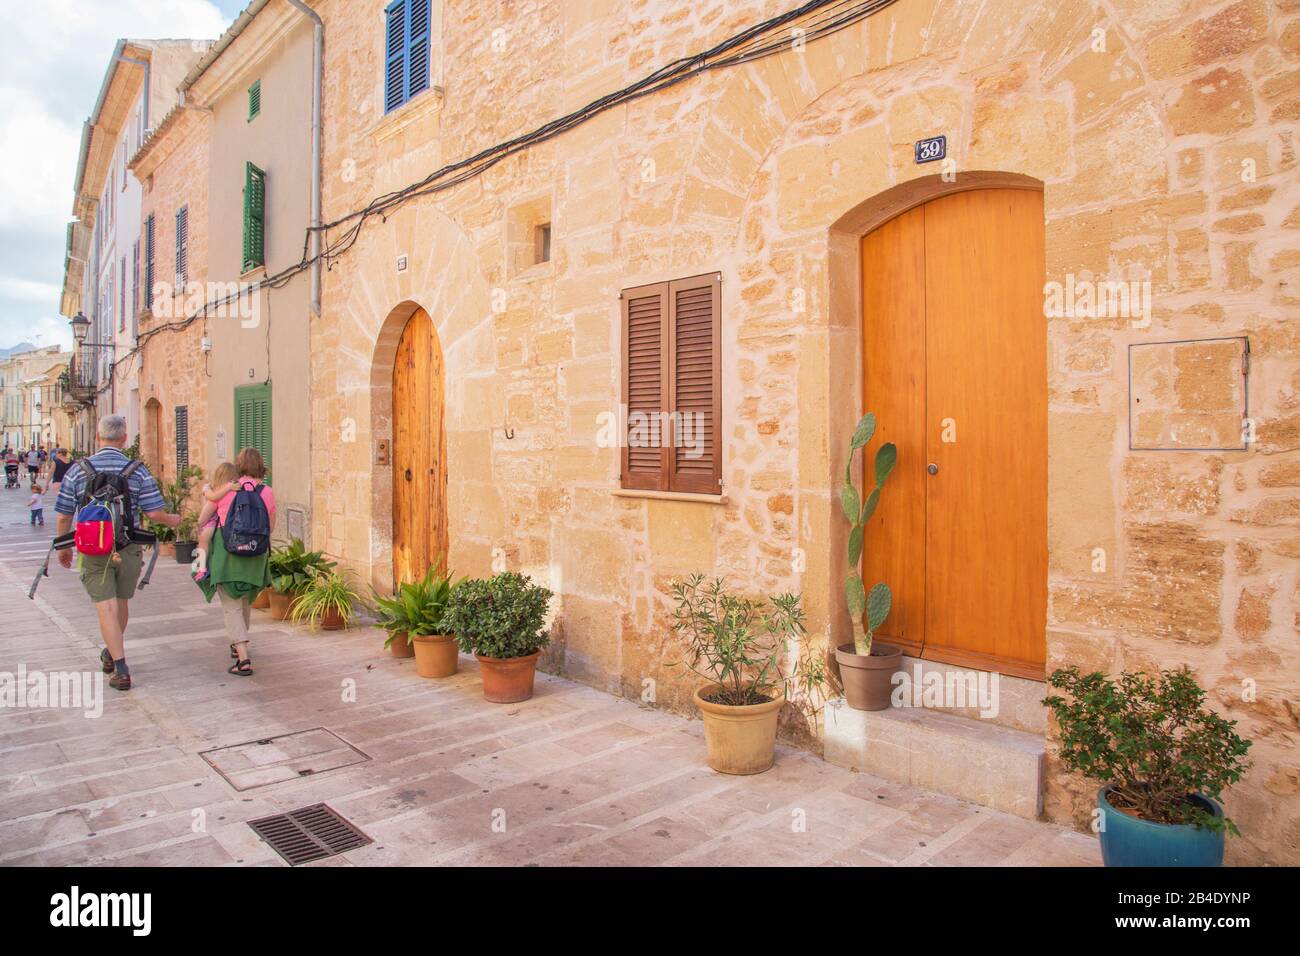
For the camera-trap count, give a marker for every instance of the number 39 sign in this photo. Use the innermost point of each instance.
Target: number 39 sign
(928, 150)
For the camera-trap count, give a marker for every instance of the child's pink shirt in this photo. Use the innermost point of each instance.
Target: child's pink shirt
(268, 498)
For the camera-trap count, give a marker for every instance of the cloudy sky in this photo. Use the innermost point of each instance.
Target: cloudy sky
(53, 56)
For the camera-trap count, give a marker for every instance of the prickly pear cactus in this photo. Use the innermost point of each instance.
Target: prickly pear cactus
(865, 609)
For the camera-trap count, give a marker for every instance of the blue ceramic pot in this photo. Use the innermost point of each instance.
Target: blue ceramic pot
(1128, 841)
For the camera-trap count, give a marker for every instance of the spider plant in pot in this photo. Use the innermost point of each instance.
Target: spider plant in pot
(739, 645)
(1163, 758)
(327, 602)
(866, 668)
(292, 568)
(413, 618)
(501, 621)
(185, 538)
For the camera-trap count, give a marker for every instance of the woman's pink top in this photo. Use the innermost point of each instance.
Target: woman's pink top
(268, 498)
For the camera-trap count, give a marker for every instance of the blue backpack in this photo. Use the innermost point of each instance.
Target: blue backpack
(247, 531)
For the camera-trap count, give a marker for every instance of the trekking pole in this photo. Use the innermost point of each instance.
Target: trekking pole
(43, 572)
(153, 559)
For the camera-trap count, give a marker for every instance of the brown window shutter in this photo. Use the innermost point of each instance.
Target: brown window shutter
(645, 386)
(695, 398)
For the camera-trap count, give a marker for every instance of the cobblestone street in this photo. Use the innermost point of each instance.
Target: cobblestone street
(577, 777)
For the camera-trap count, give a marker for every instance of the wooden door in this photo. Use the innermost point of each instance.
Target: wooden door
(419, 452)
(952, 294)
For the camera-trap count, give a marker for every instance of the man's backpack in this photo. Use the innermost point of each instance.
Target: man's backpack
(247, 530)
(106, 512)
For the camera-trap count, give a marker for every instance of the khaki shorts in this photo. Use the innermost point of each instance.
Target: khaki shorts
(105, 579)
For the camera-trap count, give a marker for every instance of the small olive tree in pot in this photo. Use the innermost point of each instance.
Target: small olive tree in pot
(501, 621)
(742, 648)
(1164, 760)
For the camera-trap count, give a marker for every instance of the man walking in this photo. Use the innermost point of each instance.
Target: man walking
(110, 579)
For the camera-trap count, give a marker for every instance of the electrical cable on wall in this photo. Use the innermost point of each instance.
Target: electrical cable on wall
(750, 44)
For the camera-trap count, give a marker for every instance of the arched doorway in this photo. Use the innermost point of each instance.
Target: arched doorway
(151, 442)
(419, 451)
(954, 365)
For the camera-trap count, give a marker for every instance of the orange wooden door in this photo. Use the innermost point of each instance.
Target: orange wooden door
(974, 407)
(419, 452)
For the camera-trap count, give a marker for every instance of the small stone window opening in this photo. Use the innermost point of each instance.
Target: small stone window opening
(542, 243)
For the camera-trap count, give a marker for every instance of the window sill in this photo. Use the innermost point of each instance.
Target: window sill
(391, 124)
(670, 496)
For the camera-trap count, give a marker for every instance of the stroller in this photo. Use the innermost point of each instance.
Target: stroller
(11, 474)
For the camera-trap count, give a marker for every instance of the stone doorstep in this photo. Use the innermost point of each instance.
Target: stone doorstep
(1019, 700)
(973, 760)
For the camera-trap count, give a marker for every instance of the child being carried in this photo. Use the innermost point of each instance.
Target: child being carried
(223, 483)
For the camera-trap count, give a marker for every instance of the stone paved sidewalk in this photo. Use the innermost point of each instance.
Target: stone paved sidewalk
(578, 777)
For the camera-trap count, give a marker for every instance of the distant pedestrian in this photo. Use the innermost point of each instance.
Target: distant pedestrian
(110, 579)
(37, 504)
(62, 462)
(33, 463)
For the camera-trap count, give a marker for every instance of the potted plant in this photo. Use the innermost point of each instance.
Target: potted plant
(737, 645)
(500, 621)
(291, 568)
(413, 618)
(866, 668)
(263, 600)
(165, 535)
(327, 602)
(186, 538)
(1164, 760)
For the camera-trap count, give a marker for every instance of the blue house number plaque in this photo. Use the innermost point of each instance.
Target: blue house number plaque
(928, 150)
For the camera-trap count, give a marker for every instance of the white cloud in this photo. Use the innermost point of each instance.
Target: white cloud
(37, 166)
(27, 290)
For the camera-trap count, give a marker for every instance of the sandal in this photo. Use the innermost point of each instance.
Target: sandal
(106, 661)
(242, 668)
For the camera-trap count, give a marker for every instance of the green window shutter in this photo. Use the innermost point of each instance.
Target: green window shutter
(253, 421)
(254, 99)
(254, 217)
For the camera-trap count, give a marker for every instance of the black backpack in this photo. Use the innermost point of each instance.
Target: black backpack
(247, 531)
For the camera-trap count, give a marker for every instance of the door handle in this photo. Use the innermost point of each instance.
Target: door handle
(408, 474)
(932, 468)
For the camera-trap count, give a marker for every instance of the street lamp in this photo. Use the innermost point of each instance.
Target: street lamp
(80, 326)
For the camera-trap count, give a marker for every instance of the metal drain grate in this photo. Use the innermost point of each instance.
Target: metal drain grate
(312, 833)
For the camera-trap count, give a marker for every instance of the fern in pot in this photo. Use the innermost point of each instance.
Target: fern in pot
(1163, 759)
(292, 568)
(328, 601)
(501, 621)
(414, 619)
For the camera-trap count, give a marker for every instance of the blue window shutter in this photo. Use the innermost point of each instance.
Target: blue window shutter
(395, 65)
(417, 45)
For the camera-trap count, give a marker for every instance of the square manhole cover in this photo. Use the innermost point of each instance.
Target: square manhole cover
(260, 763)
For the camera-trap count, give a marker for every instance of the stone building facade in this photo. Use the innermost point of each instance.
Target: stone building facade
(172, 166)
(1162, 138)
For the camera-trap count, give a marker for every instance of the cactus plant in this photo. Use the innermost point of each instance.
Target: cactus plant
(875, 606)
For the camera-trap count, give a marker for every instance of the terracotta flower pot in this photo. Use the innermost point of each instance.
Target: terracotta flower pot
(332, 620)
(436, 655)
(166, 549)
(281, 605)
(263, 600)
(401, 647)
(868, 679)
(508, 680)
(739, 739)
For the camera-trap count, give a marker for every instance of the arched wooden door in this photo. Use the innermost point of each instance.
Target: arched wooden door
(152, 443)
(419, 452)
(955, 368)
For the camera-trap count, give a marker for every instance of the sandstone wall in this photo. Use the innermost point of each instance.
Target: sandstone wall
(1163, 138)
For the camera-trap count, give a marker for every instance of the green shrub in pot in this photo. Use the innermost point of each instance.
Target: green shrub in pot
(1163, 757)
(292, 567)
(501, 621)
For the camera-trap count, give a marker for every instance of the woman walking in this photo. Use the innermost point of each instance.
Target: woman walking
(236, 579)
(62, 462)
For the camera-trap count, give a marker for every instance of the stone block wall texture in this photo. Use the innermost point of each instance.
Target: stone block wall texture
(1163, 135)
(175, 174)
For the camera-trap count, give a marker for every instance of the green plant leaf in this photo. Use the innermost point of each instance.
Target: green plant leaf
(855, 545)
(879, 603)
(849, 502)
(855, 595)
(886, 456)
(869, 508)
(866, 428)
